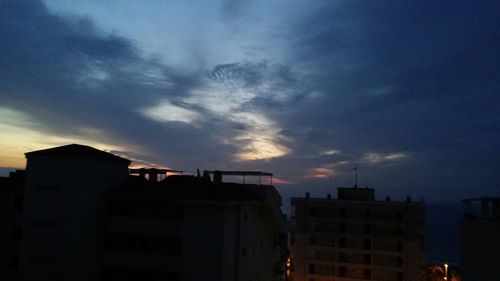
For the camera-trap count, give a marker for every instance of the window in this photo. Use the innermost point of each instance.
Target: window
(342, 227)
(400, 262)
(311, 268)
(111, 273)
(367, 244)
(342, 242)
(368, 214)
(342, 257)
(342, 271)
(367, 258)
(16, 233)
(399, 216)
(368, 274)
(13, 262)
(342, 213)
(18, 202)
(48, 187)
(312, 240)
(45, 223)
(400, 276)
(143, 243)
(367, 229)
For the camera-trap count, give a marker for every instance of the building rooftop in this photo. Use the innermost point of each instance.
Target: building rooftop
(77, 151)
(185, 188)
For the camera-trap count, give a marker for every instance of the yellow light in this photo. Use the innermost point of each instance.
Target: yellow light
(445, 271)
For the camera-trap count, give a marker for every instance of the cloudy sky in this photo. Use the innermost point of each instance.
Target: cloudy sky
(407, 91)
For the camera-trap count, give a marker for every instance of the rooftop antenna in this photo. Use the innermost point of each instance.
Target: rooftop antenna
(356, 176)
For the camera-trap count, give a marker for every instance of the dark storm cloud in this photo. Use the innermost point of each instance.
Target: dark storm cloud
(415, 77)
(69, 75)
(407, 91)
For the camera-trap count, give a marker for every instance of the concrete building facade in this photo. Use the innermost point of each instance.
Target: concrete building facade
(355, 237)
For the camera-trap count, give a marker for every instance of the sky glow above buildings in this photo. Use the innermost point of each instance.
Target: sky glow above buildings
(408, 92)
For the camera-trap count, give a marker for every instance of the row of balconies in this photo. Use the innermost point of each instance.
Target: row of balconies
(393, 245)
(357, 229)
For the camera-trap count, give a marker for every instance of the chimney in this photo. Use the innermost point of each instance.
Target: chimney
(388, 199)
(307, 195)
(408, 199)
(328, 196)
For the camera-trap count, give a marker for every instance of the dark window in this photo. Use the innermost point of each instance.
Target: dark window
(400, 262)
(311, 268)
(313, 212)
(400, 216)
(48, 187)
(342, 227)
(143, 209)
(13, 262)
(312, 240)
(342, 213)
(368, 274)
(342, 242)
(367, 243)
(244, 252)
(367, 258)
(124, 274)
(368, 214)
(143, 243)
(367, 229)
(400, 246)
(342, 257)
(45, 223)
(16, 233)
(342, 271)
(400, 276)
(18, 202)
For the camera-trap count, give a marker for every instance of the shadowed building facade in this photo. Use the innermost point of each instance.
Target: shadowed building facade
(480, 240)
(11, 231)
(64, 210)
(85, 217)
(193, 228)
(355, 237)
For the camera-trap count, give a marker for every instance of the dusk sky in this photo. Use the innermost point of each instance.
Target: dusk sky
(408, 91)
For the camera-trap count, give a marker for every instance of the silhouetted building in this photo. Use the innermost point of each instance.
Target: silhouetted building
(11, 205)
(64, 210)
(193, 228)
(355, 237)
(84, 217)
(480, 240)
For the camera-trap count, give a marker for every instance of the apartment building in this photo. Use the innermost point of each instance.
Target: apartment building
(11, 205)
(194, 228)
(355, 237)
(480, 239)
(82, 214)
